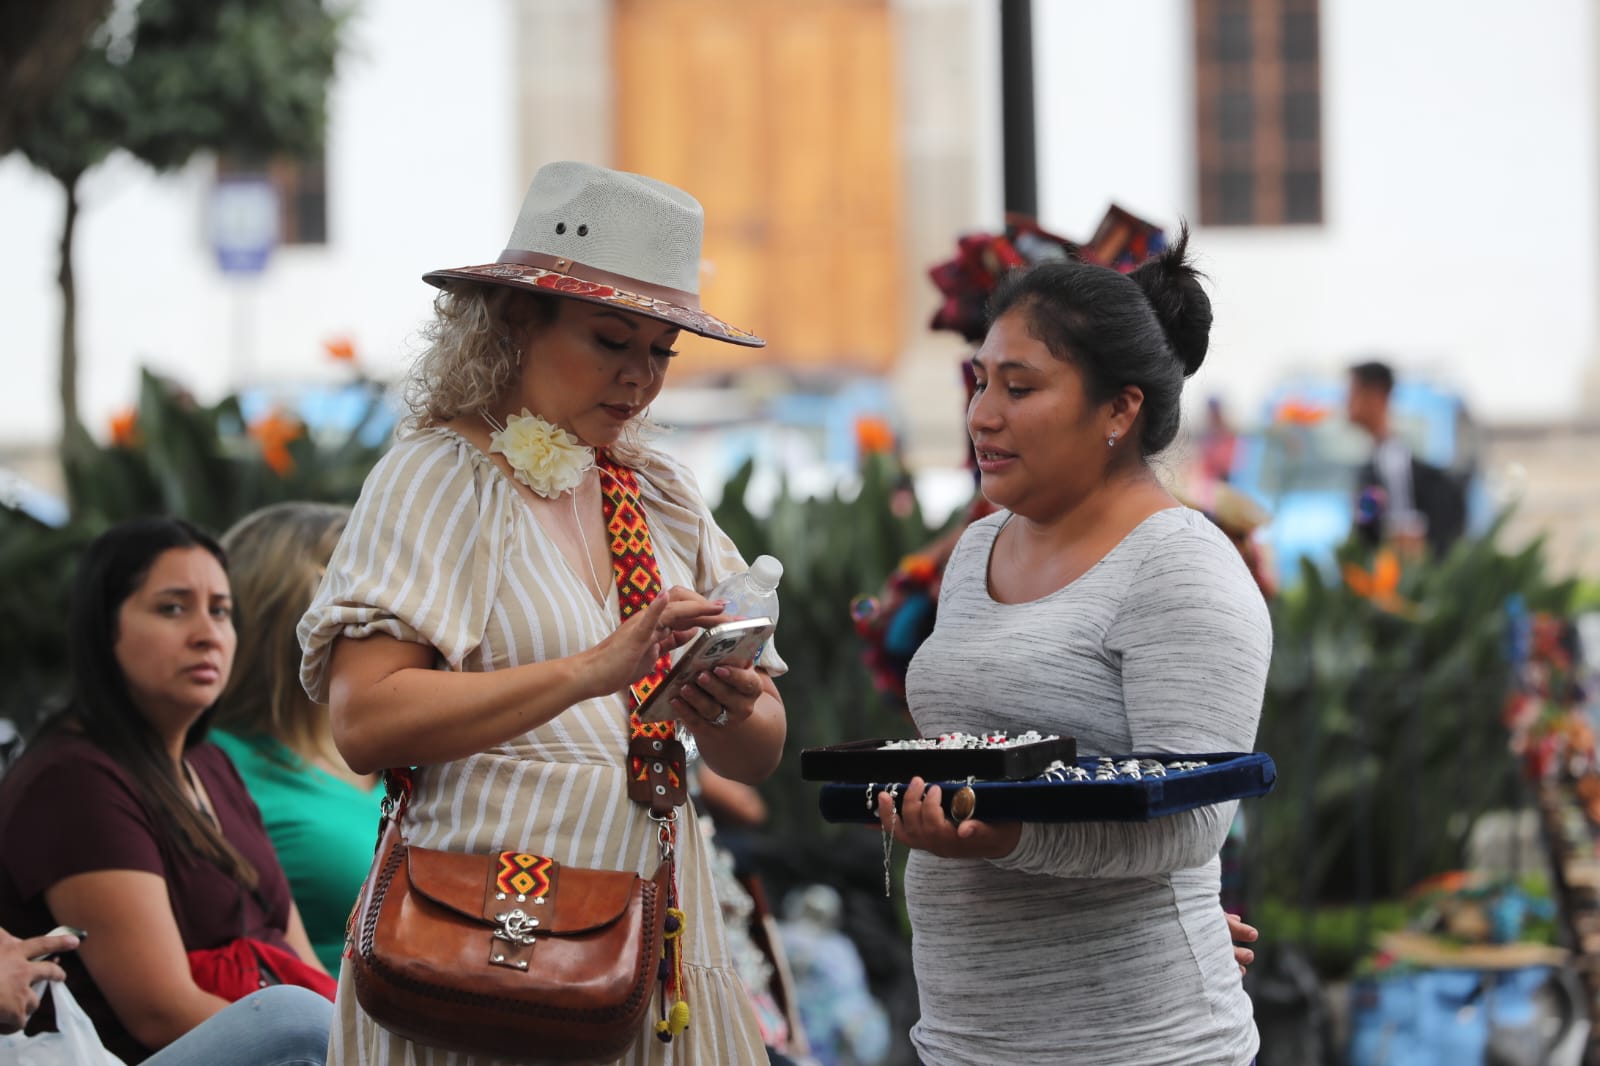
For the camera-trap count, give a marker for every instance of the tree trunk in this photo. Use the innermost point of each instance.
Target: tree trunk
(70, 426)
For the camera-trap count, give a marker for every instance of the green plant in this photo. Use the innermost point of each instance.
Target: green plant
(833, 548)
(1383, 713)
(177, 457)
(1336, 937)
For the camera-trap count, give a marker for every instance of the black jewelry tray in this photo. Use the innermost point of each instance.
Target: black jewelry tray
(1225, 776)
(864, 761)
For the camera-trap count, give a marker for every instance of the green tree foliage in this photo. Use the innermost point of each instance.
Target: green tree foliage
(165, 79)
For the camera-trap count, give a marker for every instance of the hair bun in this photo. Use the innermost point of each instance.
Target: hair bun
(1172, 285)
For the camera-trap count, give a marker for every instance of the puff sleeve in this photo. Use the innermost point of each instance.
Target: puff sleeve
(420, 559)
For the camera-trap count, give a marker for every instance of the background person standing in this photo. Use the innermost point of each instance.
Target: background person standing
(1401, 500)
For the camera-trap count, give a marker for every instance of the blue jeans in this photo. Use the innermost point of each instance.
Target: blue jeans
(284, 1025)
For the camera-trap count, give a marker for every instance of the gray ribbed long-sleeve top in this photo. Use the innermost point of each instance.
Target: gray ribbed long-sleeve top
(1099, 942)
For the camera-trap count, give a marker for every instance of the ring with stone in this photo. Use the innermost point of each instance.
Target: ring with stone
(721, 719)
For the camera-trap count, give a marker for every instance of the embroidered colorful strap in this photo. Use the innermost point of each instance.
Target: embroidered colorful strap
(655, 755)
(633, 563)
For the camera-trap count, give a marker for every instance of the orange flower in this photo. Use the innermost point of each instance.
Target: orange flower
(873, 435)
(918, 567)
(125, 428)
(340, 349)
(1294, 412)
(1382, 585)
(273, 432)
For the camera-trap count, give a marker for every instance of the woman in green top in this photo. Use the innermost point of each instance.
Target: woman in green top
(322, 817)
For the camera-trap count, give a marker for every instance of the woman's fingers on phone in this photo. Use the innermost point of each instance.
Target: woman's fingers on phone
(729, 685)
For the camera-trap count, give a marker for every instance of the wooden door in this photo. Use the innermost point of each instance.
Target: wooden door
(780, 118)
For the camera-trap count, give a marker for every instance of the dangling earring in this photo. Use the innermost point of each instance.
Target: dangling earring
(1111, 441)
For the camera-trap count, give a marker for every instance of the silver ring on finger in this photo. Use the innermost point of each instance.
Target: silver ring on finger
(722, 718)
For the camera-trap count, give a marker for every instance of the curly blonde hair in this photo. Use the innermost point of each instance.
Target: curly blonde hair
(474, 353)
(471, 355)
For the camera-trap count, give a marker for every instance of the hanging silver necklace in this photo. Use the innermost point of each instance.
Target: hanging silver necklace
(588, 556)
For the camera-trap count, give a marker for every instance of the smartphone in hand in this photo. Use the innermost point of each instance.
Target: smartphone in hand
(729, 644)
(63, 930)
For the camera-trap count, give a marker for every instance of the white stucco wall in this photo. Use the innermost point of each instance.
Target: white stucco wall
(1460, 191)
(1461, 157)
(421, 174)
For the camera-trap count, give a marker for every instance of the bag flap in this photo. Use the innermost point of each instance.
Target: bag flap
(578, 900)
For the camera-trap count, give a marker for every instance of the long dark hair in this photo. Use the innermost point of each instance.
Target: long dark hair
(1149, 328)
(113, 567)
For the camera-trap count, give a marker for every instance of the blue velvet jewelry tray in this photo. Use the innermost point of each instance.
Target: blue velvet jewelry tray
(1122, 798)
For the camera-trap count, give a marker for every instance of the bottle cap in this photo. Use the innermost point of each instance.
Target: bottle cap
(766, 571)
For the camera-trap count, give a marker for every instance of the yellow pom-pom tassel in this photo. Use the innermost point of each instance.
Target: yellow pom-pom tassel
(678, 1018)
(675, 923)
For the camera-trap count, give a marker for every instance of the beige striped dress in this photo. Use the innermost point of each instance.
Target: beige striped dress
(441, 549)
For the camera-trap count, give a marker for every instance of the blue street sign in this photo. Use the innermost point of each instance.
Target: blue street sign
(244, 222)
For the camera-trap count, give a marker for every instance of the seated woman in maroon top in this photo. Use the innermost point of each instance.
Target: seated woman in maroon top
(120, 819)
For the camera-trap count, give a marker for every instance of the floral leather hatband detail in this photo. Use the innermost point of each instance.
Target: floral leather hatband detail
(689, 318)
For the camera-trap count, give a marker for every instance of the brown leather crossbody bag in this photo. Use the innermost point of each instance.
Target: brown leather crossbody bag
(512, 955)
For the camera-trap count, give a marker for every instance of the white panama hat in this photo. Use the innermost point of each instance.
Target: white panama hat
(609, 237)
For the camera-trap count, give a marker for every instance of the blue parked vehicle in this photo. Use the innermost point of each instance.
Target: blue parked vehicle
(1301, 463)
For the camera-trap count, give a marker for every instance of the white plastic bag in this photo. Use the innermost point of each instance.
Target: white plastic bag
(75, 1043)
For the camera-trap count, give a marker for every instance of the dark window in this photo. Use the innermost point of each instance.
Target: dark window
(1235, 118)
(1301, 121)
(1233, 37)
(1236, 193)
(1302, 196)
(303, 187)
(1258, 107)
(1300, 36)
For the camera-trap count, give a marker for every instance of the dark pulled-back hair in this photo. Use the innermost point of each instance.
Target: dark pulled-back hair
(1149, 328)
(113, 567)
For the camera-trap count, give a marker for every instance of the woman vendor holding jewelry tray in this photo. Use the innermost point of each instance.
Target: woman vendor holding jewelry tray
(1091, 605)
(471, 624)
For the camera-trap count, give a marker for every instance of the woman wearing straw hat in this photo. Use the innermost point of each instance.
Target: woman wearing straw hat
(518, 566)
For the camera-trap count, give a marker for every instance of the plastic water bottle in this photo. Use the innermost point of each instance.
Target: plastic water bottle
(754, 593)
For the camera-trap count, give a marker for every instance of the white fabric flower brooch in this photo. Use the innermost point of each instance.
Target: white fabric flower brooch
(546, 458)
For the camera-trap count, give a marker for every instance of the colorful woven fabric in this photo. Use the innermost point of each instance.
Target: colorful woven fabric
(633, 562)
(521, 874)
(1121, 241)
